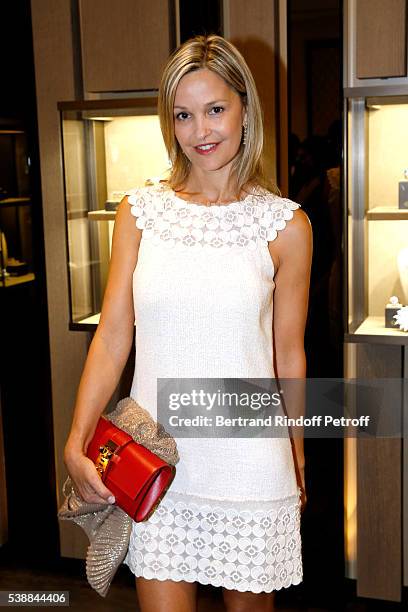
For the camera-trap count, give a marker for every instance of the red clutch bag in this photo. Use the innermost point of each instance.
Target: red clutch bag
(137, 477)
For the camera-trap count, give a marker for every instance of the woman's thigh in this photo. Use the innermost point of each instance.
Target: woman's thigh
(166, 595)
(235, 601)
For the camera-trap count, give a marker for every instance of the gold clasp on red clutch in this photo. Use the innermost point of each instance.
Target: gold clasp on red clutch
(105, 453)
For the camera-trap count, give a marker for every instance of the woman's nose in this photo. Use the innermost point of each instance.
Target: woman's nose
(203, 129)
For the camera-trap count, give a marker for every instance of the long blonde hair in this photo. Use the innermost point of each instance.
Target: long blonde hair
(220, 56)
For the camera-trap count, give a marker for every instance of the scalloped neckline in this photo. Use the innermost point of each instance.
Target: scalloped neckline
(205, 206)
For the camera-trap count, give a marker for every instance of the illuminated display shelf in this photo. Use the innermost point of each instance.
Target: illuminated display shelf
(373, 329)
(102, 215)
(92, 321)
(376, 246)
(387, 213)
(15, 201)
(108, 147)
(12, 281)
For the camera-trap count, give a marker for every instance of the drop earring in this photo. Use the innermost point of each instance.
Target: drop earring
(244, 139)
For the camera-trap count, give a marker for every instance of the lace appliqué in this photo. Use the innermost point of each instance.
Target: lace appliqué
(163, 217)
(247, 550)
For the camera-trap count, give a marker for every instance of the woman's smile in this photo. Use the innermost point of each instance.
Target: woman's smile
(207, 149)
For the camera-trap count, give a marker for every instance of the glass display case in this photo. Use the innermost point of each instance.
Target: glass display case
(108, 147)
(376, 189)
(16, 256)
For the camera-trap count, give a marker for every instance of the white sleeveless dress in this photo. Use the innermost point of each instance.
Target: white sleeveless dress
(203, 298)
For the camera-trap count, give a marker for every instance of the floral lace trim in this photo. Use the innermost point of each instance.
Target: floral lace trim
(219, 544)
(164, 217)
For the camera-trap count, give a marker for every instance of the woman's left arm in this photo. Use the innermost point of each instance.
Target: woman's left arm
(291, 253)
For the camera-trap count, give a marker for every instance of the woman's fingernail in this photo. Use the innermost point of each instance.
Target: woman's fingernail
(111, 499)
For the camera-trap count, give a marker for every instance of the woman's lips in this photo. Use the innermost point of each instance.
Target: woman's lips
(207, 151)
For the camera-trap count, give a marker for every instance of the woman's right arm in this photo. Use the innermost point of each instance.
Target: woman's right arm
(107, 356)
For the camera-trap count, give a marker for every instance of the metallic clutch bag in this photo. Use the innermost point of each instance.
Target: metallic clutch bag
(108, 526)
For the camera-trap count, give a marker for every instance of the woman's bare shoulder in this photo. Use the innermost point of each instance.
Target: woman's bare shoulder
(298, 228)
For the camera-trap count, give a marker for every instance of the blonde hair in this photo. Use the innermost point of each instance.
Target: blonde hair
(223, 58)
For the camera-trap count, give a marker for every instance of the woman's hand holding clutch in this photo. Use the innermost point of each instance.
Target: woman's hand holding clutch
(86, 478)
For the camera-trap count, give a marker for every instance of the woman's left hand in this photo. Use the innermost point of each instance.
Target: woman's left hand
(302, 486)
(303, 499)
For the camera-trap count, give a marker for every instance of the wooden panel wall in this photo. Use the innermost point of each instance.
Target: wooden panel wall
(251, 26)
(114, 35)
(379, 494)
(381, 38)
(54, 71)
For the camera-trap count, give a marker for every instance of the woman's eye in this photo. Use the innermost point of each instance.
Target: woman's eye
(183, 115)
(178, 116)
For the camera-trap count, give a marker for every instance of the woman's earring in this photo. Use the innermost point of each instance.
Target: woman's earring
(245, 134)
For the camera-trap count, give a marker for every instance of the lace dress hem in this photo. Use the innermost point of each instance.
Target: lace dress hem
(237, 545)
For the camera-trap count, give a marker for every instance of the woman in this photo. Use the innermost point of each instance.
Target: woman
(197, 271)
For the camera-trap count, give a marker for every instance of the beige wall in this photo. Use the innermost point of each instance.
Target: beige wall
(385, 240)
(54, 72)
(387, 154)
(125, 139)
(251, 26)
